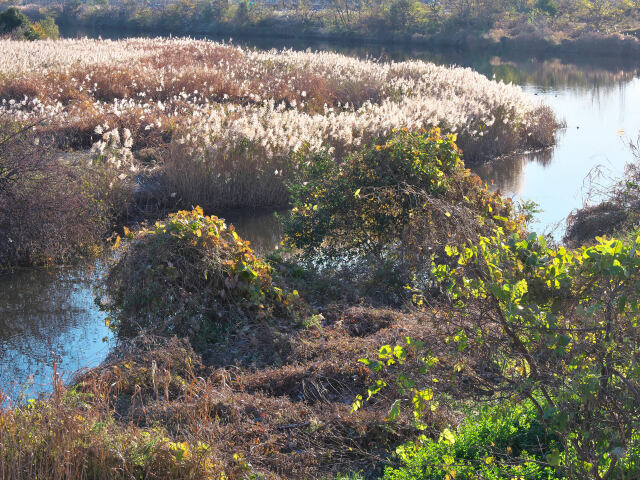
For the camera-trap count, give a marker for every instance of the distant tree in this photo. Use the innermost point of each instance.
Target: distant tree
(47, 28)
(304, 8)
(633, 5)
(212, 9)
(400, 14)
(344, 10)
(72, 8)
(13, 21)
(547, 6)
(242, 13)
(599, 13)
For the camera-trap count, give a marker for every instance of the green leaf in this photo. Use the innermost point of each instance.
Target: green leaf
(553, 458)
(447, 437)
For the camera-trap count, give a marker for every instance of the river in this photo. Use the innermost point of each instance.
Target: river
(47, 316)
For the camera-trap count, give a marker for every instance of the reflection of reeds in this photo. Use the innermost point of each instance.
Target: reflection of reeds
(558, 73)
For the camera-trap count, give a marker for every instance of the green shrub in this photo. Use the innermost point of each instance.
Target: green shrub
(387, 208)
(551, 326)
(369, 201)
(189, 275)
(47, 28)
(13, 21)
(498, 442)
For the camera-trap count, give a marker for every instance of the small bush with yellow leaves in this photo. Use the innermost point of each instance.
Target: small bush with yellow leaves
(190, 275)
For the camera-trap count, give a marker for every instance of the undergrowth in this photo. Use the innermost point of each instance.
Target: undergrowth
(53, 208)
(191, 275)
(493, 443)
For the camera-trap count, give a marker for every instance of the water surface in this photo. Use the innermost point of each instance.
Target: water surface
(48, 317)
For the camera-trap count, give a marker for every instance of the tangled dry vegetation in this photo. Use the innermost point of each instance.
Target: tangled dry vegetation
(223, 120)
(52, 209)
(154, 410)
(270, 394)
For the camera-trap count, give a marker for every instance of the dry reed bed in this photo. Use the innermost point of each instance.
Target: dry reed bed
(233, 117)
(291, 98)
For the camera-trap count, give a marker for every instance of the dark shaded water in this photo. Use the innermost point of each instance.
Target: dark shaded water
(50, 314)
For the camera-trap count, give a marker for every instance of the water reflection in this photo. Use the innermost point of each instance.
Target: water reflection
(506, 174)
(597, 120)
(261, 227)
(47, 316)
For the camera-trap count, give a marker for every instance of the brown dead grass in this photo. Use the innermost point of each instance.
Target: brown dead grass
(291, 419)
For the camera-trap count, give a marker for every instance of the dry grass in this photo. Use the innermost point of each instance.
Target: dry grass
(227, 118)
(234, 179)
(132, 415)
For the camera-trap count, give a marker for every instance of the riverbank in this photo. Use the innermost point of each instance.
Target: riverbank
(307, 366)
(541, 29)
(595, 45)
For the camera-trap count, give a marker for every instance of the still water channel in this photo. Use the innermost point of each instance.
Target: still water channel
(49, 316)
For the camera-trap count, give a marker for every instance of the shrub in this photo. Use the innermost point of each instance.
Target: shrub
(13, 21)
(395, 203)
(496, 442)
(51, 209)
(554, 327)
(190, 275)
(47, 28)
